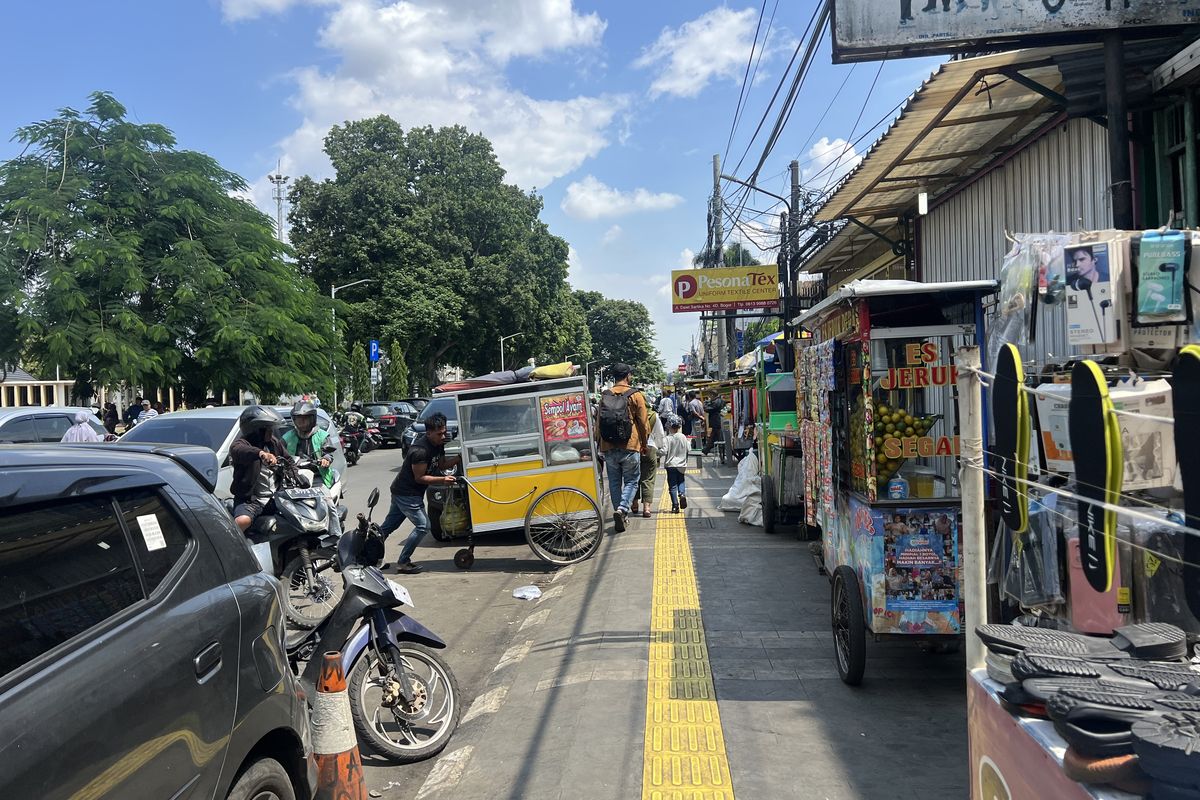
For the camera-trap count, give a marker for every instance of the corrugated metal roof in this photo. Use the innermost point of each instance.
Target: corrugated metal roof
(965, 114)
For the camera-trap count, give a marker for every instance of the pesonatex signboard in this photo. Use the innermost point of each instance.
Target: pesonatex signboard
(870, 30)
(724, 288)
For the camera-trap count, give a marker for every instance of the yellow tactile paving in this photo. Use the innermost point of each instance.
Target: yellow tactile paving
(684, 757)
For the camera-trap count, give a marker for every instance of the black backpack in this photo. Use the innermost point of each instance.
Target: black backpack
(616, 423)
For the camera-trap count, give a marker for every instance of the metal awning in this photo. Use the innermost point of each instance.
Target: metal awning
(856, 289)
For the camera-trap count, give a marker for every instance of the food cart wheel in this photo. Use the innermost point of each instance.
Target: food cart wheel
(563, 526)
(849, 626)
(768, 503)
(464, 558)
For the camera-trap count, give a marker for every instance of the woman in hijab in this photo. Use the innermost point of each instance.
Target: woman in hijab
(81, 431)
(110, 417)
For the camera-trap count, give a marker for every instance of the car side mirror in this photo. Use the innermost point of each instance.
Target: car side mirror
(373, 498)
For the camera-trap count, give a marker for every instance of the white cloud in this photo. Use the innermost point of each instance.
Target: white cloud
(442, 62)
(829, 161)
(685, 259)
(711, 46)
(235, 10)
(574, 267)
(611, 235)
(590, 198)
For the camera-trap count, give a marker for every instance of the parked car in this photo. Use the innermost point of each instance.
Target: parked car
(216, 428)
(32, 424)
(393, 418)
(445, 405)
(140, 635)
(418, 402)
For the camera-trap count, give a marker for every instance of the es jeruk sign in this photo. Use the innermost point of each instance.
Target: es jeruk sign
(866, 30)
(724, 289)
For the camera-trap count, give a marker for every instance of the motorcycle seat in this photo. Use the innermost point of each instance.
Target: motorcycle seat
(266, 524)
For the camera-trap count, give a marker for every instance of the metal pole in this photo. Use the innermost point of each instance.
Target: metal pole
(502, 354)
(793, 247)
(974, 535)
(1118, 131)
(718, 260)
(332, 361)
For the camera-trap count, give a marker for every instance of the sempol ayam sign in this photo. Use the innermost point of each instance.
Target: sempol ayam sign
(724, 288)
(869, 30)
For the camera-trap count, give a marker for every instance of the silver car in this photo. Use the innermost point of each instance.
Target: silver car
(46, 424)
(216, 428)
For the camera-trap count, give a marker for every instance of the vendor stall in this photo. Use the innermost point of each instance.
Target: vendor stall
(879, 429)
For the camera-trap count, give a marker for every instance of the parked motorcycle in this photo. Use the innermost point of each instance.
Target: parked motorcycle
(302, 536)
(358, 441)
(403, 697)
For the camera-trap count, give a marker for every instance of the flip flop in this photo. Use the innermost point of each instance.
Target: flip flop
(1099, 723)
(1013, 639)
(1121, 771)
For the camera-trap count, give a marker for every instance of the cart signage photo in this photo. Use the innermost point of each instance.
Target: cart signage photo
(564, 417)
(724, 289)
(867, 30)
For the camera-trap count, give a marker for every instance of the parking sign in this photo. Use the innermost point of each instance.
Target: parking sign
(374, 350)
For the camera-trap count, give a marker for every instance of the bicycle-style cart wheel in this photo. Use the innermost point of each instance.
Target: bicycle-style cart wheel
(563, 526)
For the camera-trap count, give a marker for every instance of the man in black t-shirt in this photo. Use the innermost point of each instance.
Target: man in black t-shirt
(422, 468)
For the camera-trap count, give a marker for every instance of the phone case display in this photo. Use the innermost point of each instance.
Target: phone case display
(1093, 300)
(1053, 402)
(1092, 610)
(1159, 277)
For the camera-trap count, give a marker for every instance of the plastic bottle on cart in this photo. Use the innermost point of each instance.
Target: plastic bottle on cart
(897, 488)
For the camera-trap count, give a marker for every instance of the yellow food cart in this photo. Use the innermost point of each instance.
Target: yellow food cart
(529, 460)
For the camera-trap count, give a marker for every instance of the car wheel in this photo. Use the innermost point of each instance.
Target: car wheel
(265, 779)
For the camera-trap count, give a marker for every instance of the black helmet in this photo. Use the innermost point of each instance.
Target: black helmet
(259, 418)
(356, 406)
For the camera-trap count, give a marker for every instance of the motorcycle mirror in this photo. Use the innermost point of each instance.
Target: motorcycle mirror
(373, 498)
(327, 449)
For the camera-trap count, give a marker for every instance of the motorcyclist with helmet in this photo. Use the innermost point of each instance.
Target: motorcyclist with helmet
(307, 439)
(355, 418)
(258, 446)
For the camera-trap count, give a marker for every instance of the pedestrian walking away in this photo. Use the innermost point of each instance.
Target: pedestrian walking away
(676, 455)
(422, 468)
(649, 465)
(624, 430)
(695, 415)
(668, 404)
(81, 431)
(111, 416)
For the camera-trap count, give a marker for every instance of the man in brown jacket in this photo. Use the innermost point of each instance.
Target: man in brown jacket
(624, 432)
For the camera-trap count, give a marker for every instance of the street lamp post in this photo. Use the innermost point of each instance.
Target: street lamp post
(502, 339)
(587, 373)
(333, 290)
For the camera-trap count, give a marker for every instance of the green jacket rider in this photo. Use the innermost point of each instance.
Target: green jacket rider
(307, 438)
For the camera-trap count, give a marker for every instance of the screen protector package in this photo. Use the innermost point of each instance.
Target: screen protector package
(1160, 277)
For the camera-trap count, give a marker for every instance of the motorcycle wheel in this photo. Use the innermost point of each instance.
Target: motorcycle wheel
(351, 457)
(402, 734)
(305, 605)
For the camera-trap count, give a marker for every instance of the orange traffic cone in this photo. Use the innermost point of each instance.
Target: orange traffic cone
(339, 767)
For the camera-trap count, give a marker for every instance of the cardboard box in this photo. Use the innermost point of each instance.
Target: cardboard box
(1149, 446)
(1053, 401)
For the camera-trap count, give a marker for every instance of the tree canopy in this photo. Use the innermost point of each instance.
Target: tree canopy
(127, 259)
(621, 330)
(457, 257)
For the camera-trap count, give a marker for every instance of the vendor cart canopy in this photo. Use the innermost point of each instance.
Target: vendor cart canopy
(867, 289)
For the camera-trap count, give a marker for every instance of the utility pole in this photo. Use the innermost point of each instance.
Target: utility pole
(279, 180)
(718, 260)
(793, 249)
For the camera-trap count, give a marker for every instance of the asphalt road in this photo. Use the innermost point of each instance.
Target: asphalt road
(473, 610)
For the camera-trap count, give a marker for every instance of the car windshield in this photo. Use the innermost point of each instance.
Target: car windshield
(445, 405)
(377, 410)
(170, 429)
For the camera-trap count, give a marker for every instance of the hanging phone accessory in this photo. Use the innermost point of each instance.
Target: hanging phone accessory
(1010, 413)
(1185, 387)
(1099, 469)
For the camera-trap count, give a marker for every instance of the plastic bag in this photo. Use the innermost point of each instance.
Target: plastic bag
(454, 517)
(746, 483)
(527, 592)
(1033, 572)
(752, 510)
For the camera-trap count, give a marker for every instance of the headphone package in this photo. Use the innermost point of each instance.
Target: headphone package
(1094, 301)
(1160, 275)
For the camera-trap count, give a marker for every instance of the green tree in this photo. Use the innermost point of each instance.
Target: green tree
(397, 373)
(621, 330)
(126, 259)
(360, 374)
(459, 258)
(760, 328)
(736, 255)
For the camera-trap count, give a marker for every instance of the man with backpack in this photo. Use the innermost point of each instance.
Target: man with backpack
(624, 436)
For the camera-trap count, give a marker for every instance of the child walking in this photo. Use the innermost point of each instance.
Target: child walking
(676, 462)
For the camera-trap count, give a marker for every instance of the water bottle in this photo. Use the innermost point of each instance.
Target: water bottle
(897, 488)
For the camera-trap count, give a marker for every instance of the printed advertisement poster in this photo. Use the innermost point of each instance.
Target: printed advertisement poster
(920, 558)
(564, 417)
(1091, 316)
(1160, 275)
(724, 288)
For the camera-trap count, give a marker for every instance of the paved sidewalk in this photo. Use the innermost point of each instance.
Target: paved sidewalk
(564, 713)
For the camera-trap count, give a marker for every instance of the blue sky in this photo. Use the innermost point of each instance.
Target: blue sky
(612, 110)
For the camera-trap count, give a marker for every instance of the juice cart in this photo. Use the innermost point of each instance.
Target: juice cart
(879, 427)
(779, 448)
(529, 462)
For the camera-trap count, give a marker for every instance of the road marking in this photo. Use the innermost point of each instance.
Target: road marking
(536, 618)
(685, 746)
(446, 773)
(487, 703)
(557, 591)
(513, 655)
